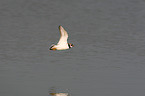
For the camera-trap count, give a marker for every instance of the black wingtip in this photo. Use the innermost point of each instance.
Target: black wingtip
(59, 26)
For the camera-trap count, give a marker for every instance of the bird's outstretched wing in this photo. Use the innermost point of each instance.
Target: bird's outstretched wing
(63, 36)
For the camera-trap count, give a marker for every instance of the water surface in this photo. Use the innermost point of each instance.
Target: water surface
(107, 60)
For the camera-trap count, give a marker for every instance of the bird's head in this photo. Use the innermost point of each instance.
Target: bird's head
(70, 45)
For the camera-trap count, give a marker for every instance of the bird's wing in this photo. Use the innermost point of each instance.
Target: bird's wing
(63, 36)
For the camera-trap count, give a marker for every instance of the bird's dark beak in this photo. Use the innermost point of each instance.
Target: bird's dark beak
(72, 45)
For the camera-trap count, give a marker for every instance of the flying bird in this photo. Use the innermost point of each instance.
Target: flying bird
(62, 43)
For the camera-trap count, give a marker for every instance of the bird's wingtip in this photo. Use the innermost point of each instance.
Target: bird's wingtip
(60, 26)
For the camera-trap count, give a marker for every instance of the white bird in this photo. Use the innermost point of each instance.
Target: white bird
(62, 43)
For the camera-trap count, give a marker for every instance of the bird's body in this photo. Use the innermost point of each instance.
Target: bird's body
(62, 43)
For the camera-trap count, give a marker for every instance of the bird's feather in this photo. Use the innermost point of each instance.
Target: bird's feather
(63, 36)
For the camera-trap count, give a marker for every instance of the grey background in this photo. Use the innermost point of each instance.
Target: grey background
(108, 58)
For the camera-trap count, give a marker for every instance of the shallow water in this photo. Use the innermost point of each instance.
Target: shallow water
(107, 60)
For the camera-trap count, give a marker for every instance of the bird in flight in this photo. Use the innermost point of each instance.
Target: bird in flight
(62, 43)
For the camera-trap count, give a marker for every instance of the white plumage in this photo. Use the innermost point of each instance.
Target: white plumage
(62, 43)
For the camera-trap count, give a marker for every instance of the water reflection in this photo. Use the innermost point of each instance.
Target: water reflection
(53, 92)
